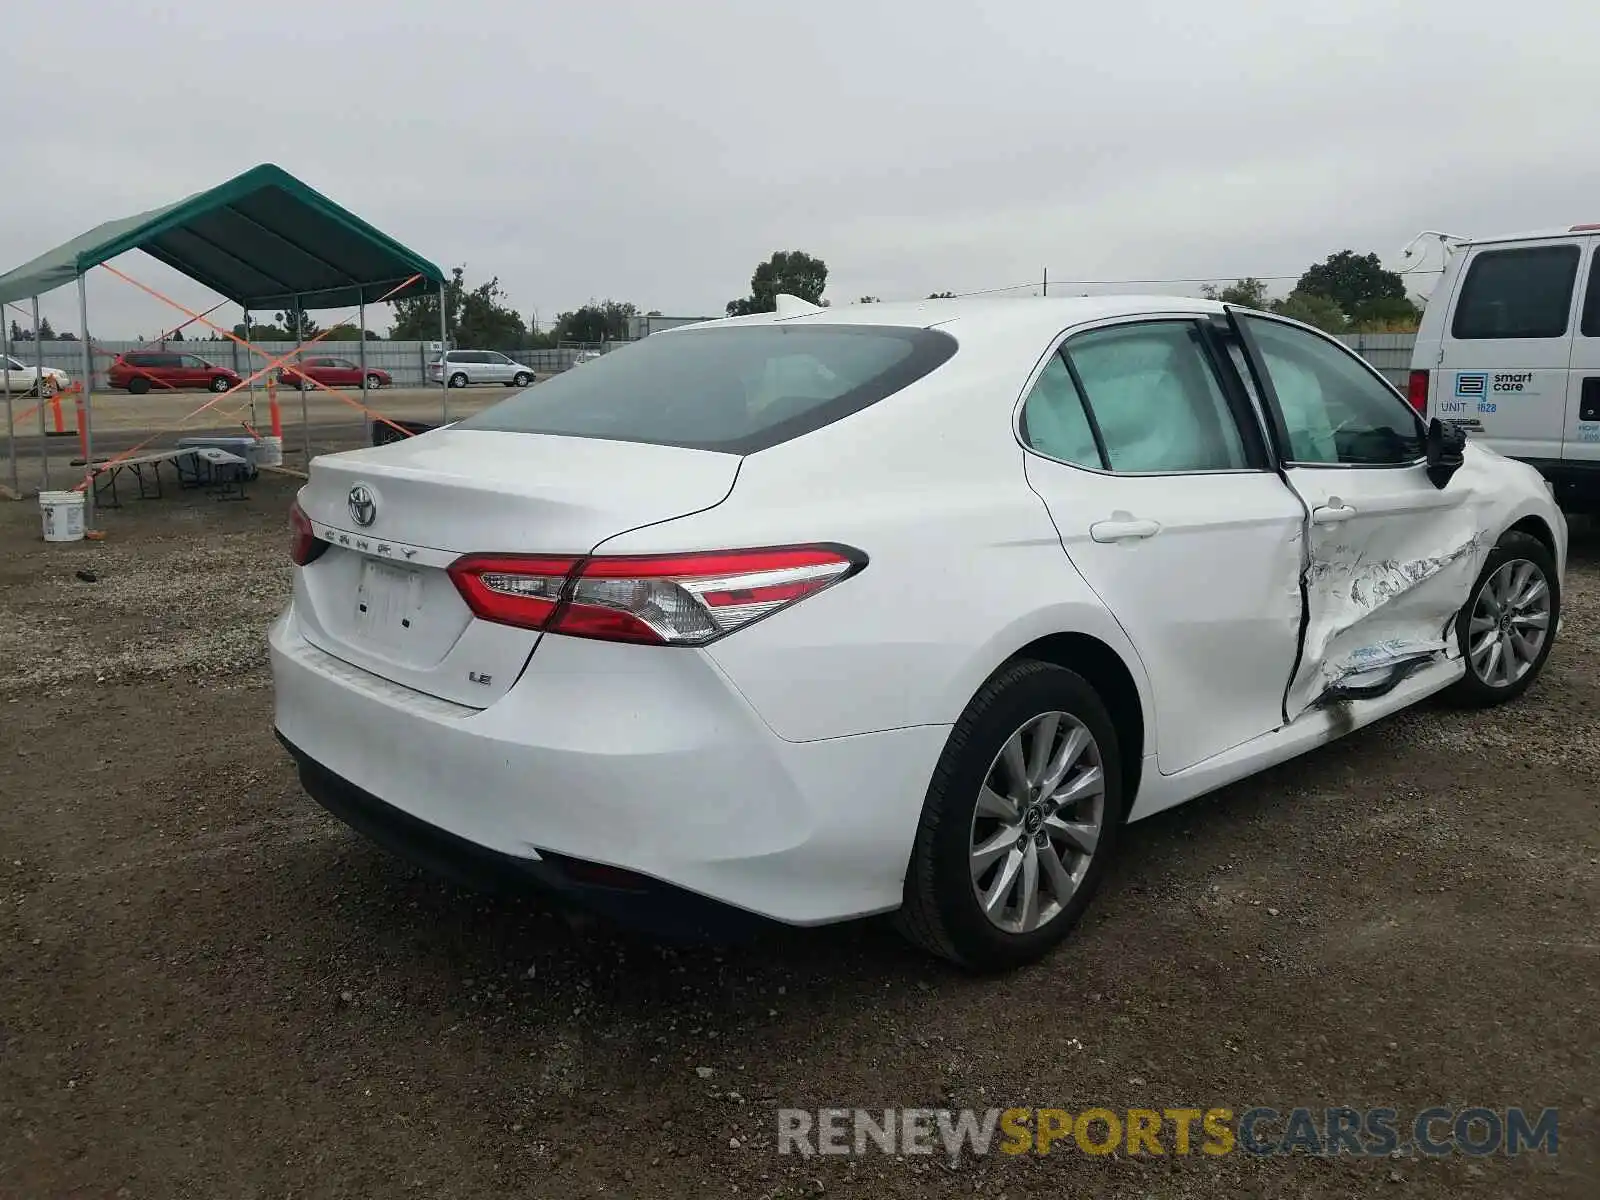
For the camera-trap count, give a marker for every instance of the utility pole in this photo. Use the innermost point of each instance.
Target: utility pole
(1047, 281)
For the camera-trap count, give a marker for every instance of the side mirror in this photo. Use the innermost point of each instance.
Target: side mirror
(1446, 442)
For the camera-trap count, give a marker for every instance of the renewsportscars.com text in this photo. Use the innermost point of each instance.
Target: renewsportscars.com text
(1214, 1131)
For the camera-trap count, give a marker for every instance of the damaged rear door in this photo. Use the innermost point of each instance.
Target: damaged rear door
(1389, 558)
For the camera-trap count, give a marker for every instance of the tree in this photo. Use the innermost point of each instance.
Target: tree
(307, 328)
(416, 318)
(485, 321)
(869, 300)
(260, 333)
(941, 295)
(177, 335)
(1313, 309)
(66, 335)
(1248, 292)
(786, 273)
(1388, 315)
(1357, 283)
(605, 321)
(472, 318)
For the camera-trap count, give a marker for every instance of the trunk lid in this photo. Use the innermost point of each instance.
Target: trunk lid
(396, 516)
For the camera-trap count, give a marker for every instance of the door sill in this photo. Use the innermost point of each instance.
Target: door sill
(1315, 727)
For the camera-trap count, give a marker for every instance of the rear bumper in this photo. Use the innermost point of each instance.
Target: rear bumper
(630, 757)
(634, 900)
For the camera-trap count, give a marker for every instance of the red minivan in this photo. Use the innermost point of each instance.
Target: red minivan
(334, 372)
(138, 371)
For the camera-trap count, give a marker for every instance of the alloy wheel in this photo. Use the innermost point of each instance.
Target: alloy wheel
(1037, 822)
(1509, 624)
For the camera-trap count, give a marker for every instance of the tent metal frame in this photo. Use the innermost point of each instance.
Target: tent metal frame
(302, 255)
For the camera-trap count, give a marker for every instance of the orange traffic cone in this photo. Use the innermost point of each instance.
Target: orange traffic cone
(58, 426)
(83, 428)
(272, 406)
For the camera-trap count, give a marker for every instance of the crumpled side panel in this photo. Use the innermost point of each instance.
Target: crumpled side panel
(1386, 594)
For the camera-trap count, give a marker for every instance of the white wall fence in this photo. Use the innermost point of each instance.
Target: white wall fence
(407, 362)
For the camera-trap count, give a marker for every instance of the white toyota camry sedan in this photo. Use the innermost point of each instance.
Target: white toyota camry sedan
(823, 613)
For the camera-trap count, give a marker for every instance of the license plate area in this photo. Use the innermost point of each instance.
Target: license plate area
(389, 601)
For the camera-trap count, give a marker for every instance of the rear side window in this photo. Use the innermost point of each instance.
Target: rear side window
(1054, 421)
(1155, 399)
(1523, 293)
(735, 390)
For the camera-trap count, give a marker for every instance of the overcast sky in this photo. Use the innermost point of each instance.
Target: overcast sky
(655, 152)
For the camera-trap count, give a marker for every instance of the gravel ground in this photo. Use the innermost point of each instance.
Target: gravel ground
(211, 989)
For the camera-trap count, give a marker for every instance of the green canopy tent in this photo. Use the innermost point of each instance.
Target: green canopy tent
(263, 240)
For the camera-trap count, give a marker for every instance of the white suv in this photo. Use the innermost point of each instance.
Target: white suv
(1509, 350)
(480, 366)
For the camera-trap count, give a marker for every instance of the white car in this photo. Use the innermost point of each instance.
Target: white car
(19, 377)
(460, 368)
(818, 614)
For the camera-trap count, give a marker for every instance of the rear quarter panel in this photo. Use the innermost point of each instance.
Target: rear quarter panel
(965, 565)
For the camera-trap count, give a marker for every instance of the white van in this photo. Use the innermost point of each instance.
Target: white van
(1509, 349)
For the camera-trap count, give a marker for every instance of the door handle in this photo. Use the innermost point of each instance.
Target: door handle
(1121, 529)
(1589, 399)
(1332, 514)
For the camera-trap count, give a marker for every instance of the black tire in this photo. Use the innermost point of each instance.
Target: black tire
(940, 912)
(138, 385)
(374, 382)
(219, 383)
(458, 380)
(1472, 690)
(522, 380)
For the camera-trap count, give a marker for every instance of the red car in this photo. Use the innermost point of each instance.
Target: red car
(334, 372)
(140, 371)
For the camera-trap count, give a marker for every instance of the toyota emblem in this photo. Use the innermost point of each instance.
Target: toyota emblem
(363, 505)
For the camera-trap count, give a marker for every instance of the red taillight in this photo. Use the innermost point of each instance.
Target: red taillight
(304, 545)
(676, 600)
(510, 589)
(1417, 392)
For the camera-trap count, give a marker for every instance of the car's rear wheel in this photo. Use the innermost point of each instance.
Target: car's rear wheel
(138, 385)
(1507, 629)
(522, 380)
(219, 383)
(374, 382)
(1019, 820)
(458, 380)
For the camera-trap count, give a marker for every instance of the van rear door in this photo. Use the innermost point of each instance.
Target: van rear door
(1506, 347)
(1580, 446)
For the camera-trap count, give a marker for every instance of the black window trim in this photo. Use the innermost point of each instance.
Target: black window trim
(1239, 407)
(1269, 394)
(1591, 293)
(1576, 245)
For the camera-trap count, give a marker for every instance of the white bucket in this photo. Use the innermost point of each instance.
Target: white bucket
(269, 452)
(63, 516)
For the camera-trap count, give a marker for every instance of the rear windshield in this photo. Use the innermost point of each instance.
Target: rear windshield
(736, 390)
